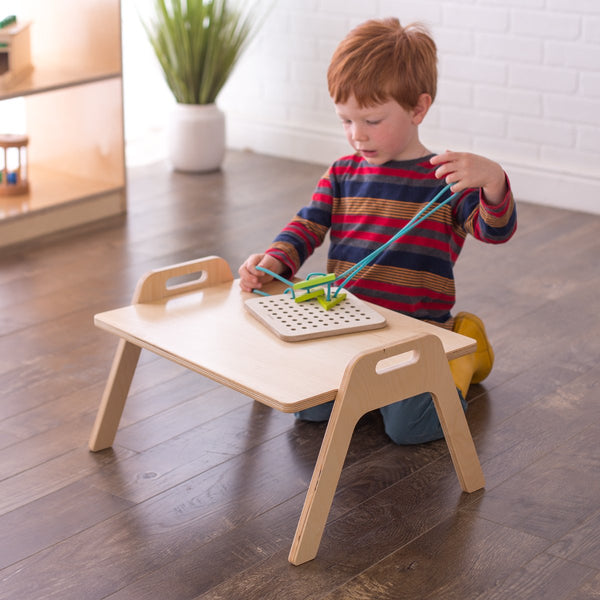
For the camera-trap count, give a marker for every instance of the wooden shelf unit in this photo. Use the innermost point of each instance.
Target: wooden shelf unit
(74, 118)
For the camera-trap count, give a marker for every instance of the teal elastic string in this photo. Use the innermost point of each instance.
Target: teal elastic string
(416, 220)
(350, 273)
(406, 228)
(276, 276)
(260, 292)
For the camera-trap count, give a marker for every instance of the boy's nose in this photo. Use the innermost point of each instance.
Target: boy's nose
(359, 133)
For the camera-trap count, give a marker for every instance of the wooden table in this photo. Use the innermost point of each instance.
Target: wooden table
(202, 324)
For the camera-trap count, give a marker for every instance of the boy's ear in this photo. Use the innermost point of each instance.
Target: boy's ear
(420, 110)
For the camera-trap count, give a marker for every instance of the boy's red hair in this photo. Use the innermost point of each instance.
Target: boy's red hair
(380, 60)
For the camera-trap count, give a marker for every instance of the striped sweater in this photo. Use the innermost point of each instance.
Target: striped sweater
(363, 206)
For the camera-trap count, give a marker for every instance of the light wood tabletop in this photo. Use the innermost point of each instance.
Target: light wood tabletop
(211, 332)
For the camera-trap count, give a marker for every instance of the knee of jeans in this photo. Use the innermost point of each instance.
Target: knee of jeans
(408, 436)
(414, 421)
(316, 414)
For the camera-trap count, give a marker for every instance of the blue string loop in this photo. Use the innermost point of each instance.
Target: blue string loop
(416, 220)
(275, 276)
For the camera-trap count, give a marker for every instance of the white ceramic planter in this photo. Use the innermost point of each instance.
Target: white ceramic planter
(196, 137)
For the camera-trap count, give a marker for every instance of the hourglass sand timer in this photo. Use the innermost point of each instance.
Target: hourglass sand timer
(13, 164)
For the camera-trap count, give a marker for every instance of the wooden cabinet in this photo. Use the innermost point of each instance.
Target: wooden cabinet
(73, 104)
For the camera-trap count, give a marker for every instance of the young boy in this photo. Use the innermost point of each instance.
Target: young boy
(382, 79)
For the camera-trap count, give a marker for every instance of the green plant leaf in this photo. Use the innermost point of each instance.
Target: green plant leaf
(199, 42)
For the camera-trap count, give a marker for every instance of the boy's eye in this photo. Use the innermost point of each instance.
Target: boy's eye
(373, 122)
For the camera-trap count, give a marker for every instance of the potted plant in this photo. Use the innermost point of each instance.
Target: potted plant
(198, 43)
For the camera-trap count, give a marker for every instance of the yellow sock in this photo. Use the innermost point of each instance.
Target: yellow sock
(474, 367)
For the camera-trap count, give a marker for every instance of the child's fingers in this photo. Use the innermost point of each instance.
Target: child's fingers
(253, 278)
(249, 276)
(448, 165)
(443, 157)
(449, 172)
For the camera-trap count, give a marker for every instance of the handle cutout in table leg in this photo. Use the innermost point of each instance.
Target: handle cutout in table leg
(398, 361)
(183, 277)
(179, 283)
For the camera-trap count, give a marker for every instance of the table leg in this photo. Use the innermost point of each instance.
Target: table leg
(323, 485)
(374, 379)
(115, 394)
(155, 285)
(458, 437)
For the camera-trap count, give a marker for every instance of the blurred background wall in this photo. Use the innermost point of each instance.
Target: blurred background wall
(519, 82)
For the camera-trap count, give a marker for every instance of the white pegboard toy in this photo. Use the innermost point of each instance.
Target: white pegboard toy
(297, 321)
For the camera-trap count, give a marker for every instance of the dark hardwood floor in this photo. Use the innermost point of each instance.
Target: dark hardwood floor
(201, 493)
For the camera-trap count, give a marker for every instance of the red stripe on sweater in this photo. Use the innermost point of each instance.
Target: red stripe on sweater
(379, 238)
(394, 288)
(323, 198)
(303, 232)
(403, 307)
(394, 222)
(344, 169)
(282, 257)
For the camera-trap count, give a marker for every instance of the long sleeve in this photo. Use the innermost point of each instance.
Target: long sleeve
(493, 224)
(307, 230)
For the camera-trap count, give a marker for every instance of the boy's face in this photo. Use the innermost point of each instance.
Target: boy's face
(382, 132)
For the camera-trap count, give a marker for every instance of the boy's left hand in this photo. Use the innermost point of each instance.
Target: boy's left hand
(465, 170)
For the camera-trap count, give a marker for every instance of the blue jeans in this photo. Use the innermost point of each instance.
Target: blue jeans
(410, 421)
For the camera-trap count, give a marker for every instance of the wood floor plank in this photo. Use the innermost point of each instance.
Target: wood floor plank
(7, 439)
(587, 591)
(53, 443)
(502, 397)
(197, 450)
(543, 577)
(43, 378)
(478, 559)
(237, 551)
(52, 475)
(183, 416)
(581, 544)
(158, 385)
(553, 491)
(53, 518)
(167, 526)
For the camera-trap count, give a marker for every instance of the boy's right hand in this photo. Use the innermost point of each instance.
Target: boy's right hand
(251, 278)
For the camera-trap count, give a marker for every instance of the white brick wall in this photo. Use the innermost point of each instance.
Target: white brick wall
(519, 82)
